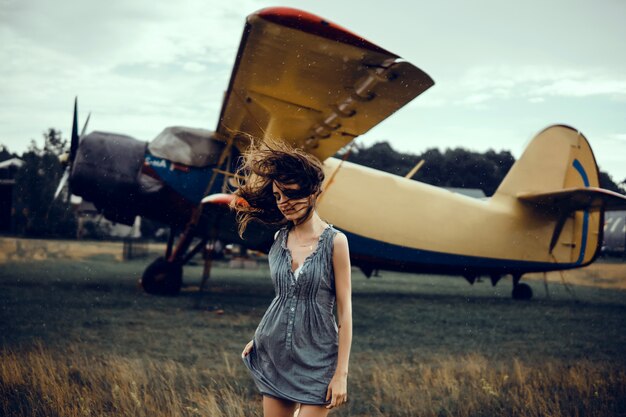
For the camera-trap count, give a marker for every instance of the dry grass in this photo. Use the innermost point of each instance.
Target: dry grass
(44, 383)
(474, 386)
(28, 250)
(598, 274)
(40, 382)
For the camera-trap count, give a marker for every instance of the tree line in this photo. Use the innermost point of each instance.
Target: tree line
(457, 167)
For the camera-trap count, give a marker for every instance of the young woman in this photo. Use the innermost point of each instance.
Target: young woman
(299, 355)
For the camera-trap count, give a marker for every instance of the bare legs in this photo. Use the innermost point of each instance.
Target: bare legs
(313, 411)
(273, 407)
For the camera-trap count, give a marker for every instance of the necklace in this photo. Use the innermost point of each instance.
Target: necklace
(300, 245)
(299, 242)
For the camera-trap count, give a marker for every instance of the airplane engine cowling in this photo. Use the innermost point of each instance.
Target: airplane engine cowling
(106, 172)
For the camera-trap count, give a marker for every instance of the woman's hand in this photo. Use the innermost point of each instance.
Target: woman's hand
(337, 391)
(247, 349)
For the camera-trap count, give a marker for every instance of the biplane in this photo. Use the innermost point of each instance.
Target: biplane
(307, 81)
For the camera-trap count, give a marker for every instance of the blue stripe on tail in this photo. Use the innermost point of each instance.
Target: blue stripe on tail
(583, 245)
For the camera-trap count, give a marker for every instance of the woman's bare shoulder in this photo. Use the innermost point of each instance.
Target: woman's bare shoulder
(340, 239)
(279, 231)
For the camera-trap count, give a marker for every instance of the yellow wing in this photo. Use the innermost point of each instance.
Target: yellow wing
(304, 80)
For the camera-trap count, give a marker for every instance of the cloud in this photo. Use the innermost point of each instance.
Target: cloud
(194, 67)
(583, 87)
(141, 65)
(125, 32)
(613, 139)
(431, 99)
(477, 98)
(480, 86)
(137, 65)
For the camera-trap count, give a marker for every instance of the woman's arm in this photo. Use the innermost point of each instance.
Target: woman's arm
(338, 387)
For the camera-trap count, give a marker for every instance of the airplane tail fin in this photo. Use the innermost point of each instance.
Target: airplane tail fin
(559, 157)
(555, 184)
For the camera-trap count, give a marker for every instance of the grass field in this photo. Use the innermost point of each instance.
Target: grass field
(77, 337)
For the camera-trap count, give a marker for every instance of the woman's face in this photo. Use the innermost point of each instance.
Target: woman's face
(290, 201)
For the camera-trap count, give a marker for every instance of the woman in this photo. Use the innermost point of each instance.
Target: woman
(299, 354)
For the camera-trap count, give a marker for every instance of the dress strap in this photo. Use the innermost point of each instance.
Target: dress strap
(282, 236)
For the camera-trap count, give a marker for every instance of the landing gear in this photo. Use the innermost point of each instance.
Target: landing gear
(162, 277)
(521, 291)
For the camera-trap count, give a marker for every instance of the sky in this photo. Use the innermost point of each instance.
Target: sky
(503, 70)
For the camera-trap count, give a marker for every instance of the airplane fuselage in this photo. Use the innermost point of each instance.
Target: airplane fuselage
(401, 224)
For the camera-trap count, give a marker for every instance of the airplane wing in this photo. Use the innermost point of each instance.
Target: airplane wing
(312, 83)
(573, 199)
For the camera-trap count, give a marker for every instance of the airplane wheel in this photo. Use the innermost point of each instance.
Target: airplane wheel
(522, 292)
(162, 277)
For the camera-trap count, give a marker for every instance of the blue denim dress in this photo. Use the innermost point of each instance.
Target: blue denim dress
(295, 345)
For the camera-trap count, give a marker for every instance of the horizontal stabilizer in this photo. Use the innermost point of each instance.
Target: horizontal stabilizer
(573, 199)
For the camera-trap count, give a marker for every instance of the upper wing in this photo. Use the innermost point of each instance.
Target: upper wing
(304, 80)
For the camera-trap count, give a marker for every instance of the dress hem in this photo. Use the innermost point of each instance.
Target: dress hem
(258, 382)
(293, 401)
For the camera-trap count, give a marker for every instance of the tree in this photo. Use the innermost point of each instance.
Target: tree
(454, 168)
(5, 154)
(606, 181)
(383, 157)
(35, 212)
(54, 143)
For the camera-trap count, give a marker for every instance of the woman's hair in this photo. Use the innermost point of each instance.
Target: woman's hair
(261, 165)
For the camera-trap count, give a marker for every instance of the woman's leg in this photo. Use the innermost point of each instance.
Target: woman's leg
(274, 407)
(313, 411)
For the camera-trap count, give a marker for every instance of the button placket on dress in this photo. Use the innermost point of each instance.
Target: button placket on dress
(294, 285)
(293, 304)
(291, 297)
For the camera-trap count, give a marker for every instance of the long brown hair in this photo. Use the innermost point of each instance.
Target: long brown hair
(261, 165)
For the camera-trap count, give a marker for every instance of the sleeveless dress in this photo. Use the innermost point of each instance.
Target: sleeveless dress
(294, 354)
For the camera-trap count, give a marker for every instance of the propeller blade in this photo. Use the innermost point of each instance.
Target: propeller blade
(66, 175)
(82, 132)
(74, 142)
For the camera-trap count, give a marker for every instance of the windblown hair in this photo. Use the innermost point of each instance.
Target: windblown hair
(260, 166)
